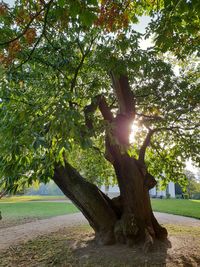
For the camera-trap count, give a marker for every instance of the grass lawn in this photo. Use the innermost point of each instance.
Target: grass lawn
(184, 207)
(39, 210)
(21, 209)
(31, 198)
(30, 207)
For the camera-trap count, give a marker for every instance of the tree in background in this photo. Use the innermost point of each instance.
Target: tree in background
(193, 187)
(49, 189)
(73, 82)
(198, 175)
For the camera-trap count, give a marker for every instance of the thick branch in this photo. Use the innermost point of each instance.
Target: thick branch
(144, 146)
(89, 199)
(124, 95)
(105, 110)
(98, 101)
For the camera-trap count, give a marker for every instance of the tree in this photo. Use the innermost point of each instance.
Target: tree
(193, 186)
(49, 189)
(73, 81)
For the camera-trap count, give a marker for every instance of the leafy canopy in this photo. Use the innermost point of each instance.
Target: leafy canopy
(55, 59)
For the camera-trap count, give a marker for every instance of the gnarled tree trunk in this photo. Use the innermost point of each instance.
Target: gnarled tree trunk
(94, 204)
(128, 218)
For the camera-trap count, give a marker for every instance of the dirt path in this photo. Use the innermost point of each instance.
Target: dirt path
(166, 218)
(22, 233)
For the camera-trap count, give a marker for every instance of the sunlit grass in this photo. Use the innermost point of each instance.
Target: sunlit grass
(189, 208)
(39, 210)
(195, 200)
(31, 198)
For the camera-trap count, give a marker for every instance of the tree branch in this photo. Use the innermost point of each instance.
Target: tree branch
(28, 24)
(39, 39)
(84, 55)
(105, 110)
(155, 117)
(17, 100)
(98, 101)
(124, 95)
(144, 146)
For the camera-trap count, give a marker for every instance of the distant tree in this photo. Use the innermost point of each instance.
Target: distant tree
(193, 186)
(50, 189)
(198, 175)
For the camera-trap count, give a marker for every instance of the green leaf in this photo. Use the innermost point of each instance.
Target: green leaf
(87, 18)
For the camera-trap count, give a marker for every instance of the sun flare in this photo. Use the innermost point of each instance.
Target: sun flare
(134, 129)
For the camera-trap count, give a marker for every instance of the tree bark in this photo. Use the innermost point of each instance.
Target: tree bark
(94, 204)
(137, 222)
(129, 218)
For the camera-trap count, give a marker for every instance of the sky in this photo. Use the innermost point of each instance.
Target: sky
(10, 2)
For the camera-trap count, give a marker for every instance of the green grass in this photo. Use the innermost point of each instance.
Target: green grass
(31, 198)
(189, 208)
(39, 210)
(28, 207)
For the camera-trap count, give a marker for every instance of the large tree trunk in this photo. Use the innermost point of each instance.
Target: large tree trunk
(94, 204)
(137, 222)
(129, 218)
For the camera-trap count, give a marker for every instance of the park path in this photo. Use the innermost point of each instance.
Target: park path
(21, 233)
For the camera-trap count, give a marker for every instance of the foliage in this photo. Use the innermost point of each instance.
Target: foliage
(193, 186)
(92, 164)
(56, 57)
(178, 22)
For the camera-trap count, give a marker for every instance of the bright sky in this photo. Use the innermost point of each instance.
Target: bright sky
(10, 2)
(191, 167)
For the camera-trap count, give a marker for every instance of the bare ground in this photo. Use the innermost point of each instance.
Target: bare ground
(70, 244)
(24, 232)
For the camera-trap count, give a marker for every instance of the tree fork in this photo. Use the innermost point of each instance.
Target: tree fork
(134, 181)
(136, 221)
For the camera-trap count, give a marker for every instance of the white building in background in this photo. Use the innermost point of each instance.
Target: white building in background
(169, 191)
(113, 191)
